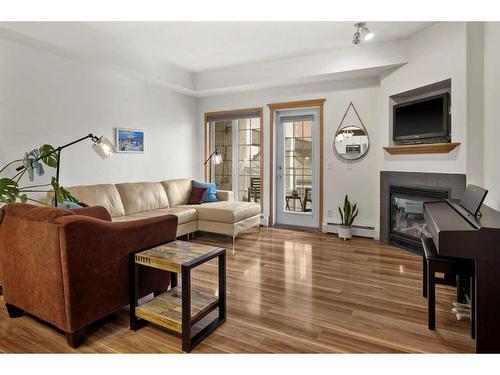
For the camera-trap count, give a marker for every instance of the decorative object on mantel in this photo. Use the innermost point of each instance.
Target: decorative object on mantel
(129, 141)
(422, 148)
(351, 142)
(347, 215)
(32, 163)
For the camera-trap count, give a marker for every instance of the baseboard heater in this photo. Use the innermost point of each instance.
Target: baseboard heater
(357, 230)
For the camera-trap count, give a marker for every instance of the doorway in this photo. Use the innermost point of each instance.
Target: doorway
(297, 165)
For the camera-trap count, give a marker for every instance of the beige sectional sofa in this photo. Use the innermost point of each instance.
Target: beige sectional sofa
(131, 201)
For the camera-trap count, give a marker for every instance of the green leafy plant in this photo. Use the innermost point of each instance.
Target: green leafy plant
(62, 193)
(32, 163)
(8, 190)
(348, 213)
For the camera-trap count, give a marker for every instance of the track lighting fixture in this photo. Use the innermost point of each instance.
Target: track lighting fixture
(362, 33)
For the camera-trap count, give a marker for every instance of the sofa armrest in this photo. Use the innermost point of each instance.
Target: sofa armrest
(225, 195)
(97, 212)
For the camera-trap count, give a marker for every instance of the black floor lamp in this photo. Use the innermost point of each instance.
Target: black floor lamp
(216, 158)
(102, 146)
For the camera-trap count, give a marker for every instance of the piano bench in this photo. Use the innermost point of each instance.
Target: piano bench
(463, 269)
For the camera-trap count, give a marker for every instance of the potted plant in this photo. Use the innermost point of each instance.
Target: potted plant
(10, 186)
(347, 215)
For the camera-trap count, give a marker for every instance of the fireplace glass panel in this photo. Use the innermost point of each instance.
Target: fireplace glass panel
(408, 216)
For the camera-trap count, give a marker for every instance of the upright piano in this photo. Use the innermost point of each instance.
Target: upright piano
(457, 233)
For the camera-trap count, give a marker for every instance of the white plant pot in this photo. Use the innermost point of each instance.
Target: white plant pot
(345, 232)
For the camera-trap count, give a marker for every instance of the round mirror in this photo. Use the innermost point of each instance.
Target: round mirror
(351, 142)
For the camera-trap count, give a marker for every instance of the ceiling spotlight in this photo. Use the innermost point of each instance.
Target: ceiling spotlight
(367, 34)
(362, 33)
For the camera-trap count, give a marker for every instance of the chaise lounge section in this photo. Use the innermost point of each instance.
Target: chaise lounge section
(138, 200)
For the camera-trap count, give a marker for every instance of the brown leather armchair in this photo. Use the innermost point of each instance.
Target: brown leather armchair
(71, 267)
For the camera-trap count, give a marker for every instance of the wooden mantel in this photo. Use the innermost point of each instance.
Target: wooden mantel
(430, 148)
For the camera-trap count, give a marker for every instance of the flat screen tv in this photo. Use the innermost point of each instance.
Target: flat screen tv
(422, 120)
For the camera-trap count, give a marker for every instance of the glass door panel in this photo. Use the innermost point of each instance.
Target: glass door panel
(296, 186)
(298, 166)
(249, 155)
(239, 142)
(223, 143)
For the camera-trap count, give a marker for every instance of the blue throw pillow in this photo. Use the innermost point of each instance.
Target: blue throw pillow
(210, 194)
(69, 205)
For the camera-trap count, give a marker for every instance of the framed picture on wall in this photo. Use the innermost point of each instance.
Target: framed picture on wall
(129, 141)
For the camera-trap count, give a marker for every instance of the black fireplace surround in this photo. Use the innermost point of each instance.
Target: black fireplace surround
(402, 195)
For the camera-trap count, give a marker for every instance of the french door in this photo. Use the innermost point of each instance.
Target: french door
(238, 139)
(297, 167)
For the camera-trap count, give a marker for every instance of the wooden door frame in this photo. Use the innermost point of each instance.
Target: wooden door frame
(313, 103)
(208, 145)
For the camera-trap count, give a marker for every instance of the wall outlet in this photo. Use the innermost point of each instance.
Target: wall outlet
(329, 213)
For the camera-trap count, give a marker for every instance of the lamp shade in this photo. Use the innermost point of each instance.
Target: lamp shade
(103, 147)
(217, 158)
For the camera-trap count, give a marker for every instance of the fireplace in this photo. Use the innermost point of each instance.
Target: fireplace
(401, 198)
(407, 224)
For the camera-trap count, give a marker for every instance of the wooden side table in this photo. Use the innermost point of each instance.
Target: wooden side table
(178, 309)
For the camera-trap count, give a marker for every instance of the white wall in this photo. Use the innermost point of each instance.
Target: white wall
(296, 70)
(436, 53)
(45, 98)
(492, 113)
(475, 103)
(359, 178)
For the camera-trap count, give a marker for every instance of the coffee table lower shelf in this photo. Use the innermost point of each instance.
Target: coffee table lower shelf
(165, 310)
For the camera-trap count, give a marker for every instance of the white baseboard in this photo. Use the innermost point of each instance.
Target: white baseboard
(264, 220)
(357, 230)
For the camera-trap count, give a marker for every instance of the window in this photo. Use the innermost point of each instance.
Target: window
(298, 164)
(237, 137)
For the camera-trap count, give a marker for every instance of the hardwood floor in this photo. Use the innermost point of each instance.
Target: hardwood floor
(288, 292)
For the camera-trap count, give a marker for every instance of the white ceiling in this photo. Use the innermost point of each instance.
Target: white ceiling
(201, 46)
(208, 58)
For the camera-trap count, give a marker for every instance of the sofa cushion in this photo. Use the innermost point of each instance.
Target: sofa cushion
(142, 196)
(100, 195)
(184, 214)
(178, 191)
(227, 211)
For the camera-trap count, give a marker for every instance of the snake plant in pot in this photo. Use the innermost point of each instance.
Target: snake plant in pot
(347, 215)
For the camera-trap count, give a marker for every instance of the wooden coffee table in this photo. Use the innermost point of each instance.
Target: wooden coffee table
(178, 309)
